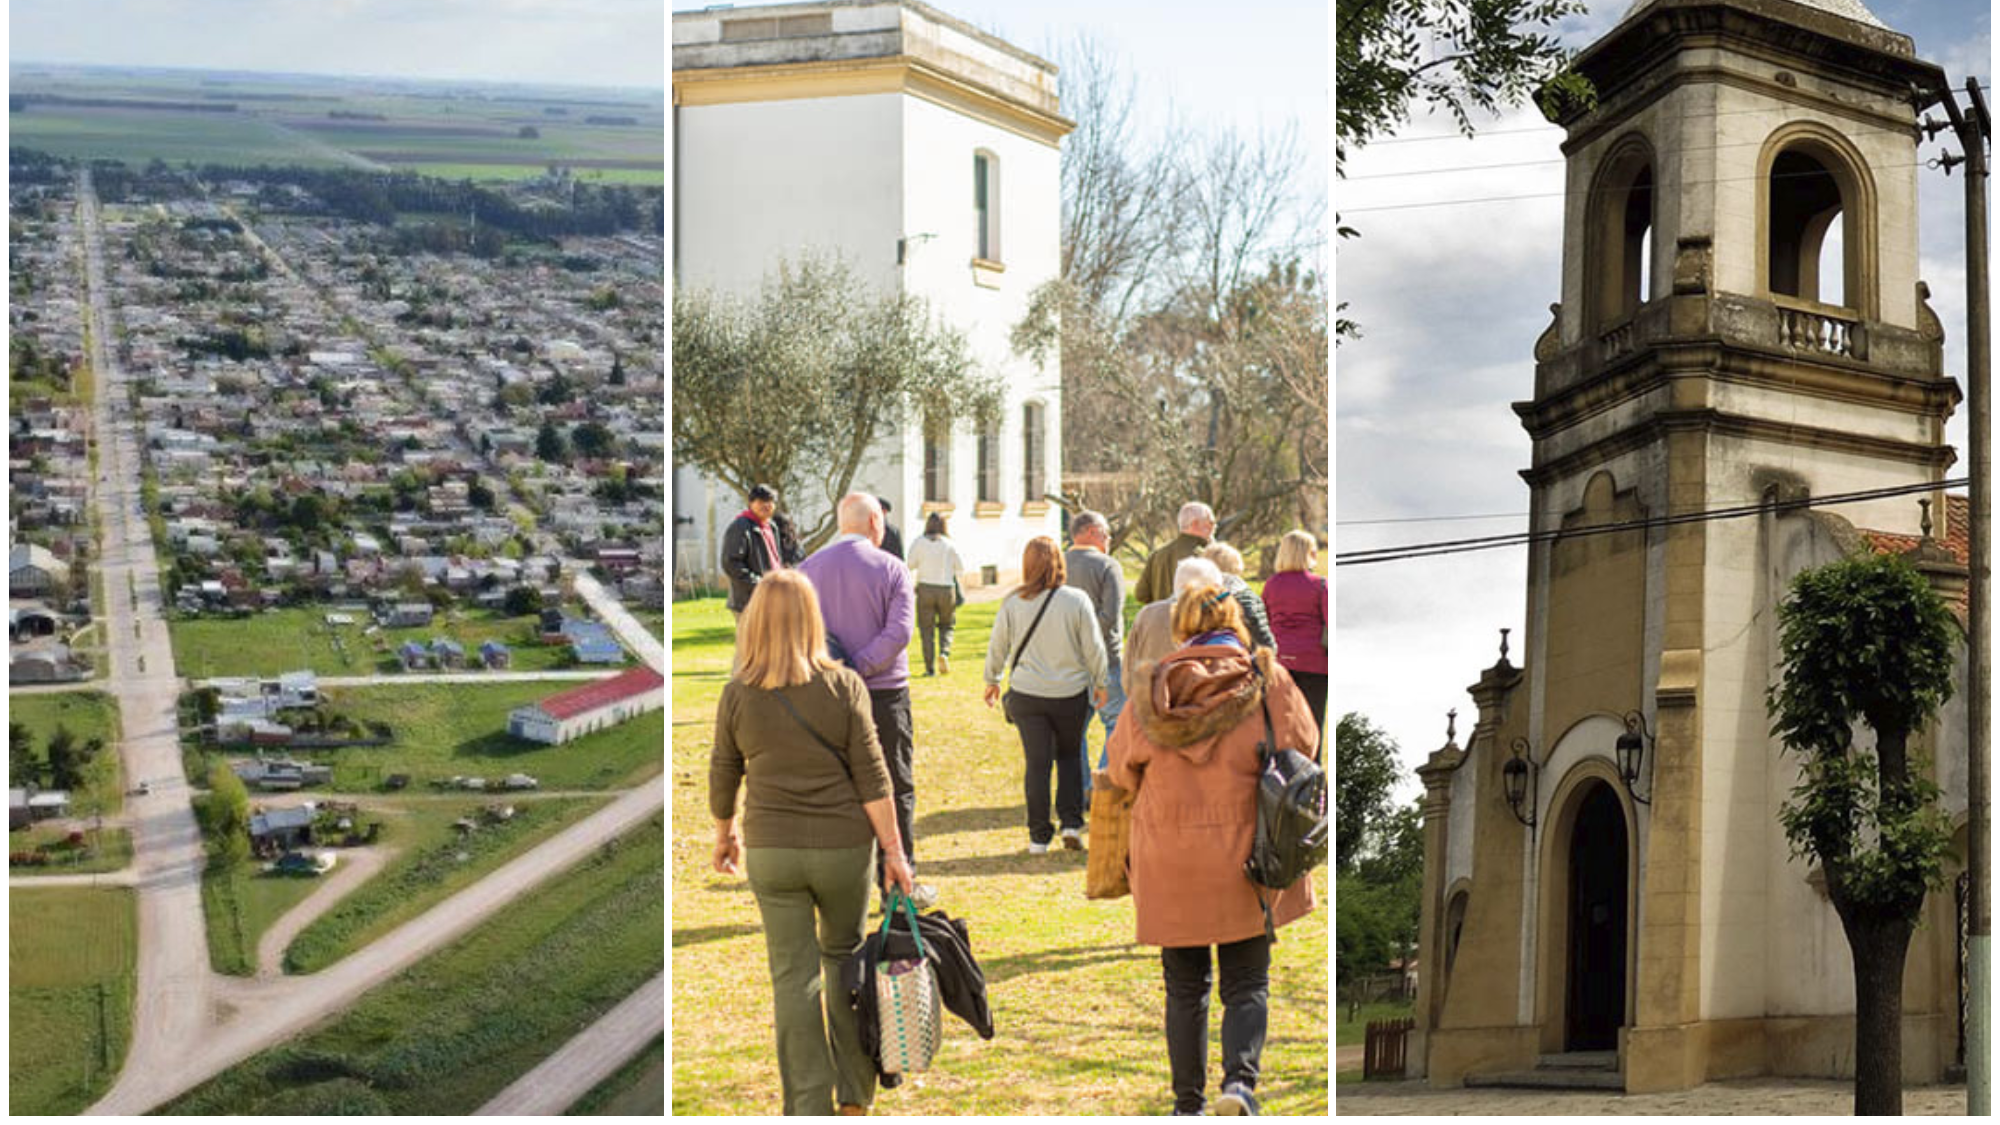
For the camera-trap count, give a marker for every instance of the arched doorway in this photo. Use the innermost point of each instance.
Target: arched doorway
(1598, 878)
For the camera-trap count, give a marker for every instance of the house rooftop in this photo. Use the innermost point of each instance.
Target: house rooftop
(601, 693)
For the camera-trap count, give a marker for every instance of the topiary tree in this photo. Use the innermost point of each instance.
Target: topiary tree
(1867, 639)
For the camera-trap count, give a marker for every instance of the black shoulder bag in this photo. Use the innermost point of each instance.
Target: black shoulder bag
(1008, 695)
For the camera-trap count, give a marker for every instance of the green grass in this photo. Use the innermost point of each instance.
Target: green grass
(1076, 1004)
(448, 1034)
(136, 136)
(72, 955)
(443, 730)
(1354, 1032)
(655, 621)
(88, 715)
(434, 864)
(103, 850)
(289, 640)
(239, 902)
(637, 1089)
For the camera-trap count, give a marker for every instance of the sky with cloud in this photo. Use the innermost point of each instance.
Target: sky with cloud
(1451, 296)
(559, 42)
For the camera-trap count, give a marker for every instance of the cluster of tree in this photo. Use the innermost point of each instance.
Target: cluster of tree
(378, 197)
(224, 816)
(1189, 319)
(235, 343)
(61, 764)
(795, 388)
(33, 166)
(1378, 854)
(28, 363)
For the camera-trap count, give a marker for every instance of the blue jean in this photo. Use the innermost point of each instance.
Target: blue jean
(1114, 703)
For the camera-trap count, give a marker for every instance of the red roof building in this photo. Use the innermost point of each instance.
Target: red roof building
(591, 707)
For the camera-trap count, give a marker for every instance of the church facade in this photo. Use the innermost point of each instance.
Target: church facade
(1741, 326)
(923, 152)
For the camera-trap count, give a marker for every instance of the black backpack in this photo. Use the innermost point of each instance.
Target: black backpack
(1291, 818)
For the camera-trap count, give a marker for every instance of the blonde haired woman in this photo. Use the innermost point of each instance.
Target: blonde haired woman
(1189, 746)
(1047, 642)
(796, 726)
(1295, 599)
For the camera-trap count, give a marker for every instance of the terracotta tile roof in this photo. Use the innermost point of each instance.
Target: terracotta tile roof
(1955, 535)
(601, 693)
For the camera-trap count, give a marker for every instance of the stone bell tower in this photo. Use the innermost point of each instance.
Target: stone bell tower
(1741, 321)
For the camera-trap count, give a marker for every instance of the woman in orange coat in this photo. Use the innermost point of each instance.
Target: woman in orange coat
(1192, 756)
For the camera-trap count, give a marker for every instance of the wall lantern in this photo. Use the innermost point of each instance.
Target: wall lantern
(1632, 752)
(1517, 778)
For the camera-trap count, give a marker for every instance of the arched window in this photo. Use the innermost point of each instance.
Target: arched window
(1816, 208)
(1032, 442)
(986, 205)
(1619, 241)
(1804, 205)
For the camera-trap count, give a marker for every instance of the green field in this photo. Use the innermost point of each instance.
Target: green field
(290, 640)
(289, 120)
(433, 863)
(444, 730)
(71, 956)
(637, 1089)
(239, 902)
(447, 1035)
(88, 715)
(1076, 1004)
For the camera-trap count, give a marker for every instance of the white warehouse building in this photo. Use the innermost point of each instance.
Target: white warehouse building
(926, 154)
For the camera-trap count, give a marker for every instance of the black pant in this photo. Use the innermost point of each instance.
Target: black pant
(1246, 993)
(891, 708)
(1051, 735)
(1312, 685)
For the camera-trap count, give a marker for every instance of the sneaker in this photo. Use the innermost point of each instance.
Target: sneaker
(1037, 849)
(923, 896)
(1236, 1100)
(944, 665)
(1072, 839)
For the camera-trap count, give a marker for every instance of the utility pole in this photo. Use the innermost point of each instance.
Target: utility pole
(1973, 129)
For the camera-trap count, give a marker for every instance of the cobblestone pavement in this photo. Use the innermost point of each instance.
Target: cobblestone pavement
(1780, 1096)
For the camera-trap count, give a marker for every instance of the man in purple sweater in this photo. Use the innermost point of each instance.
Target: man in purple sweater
(869, 601)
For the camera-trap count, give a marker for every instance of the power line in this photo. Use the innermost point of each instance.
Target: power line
(1431, 519)
(1344, 211)
(1524, 538)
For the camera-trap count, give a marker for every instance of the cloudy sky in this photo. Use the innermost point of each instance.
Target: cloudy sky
(561, 42)
(1451, 295)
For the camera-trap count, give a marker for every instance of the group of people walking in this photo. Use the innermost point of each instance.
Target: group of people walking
(815, 729)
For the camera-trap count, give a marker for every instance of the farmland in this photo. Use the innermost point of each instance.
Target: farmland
(71, 957)
(481, 132)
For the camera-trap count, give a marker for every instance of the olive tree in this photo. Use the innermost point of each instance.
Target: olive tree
(795, 388)
(1867, 640)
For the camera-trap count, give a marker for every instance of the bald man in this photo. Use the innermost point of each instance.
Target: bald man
(869, 601)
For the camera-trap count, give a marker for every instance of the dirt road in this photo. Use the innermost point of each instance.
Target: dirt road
(590, 1058)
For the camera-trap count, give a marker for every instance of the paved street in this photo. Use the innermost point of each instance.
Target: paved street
(1748, 1096)
(588, 1059)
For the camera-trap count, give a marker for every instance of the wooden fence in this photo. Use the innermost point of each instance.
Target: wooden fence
(1387, 1048)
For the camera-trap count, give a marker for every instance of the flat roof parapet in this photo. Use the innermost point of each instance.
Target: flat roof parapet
(854, 30)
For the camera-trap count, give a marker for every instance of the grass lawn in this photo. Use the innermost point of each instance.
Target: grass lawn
(1076, 1004)
(287, 640)
(102, 850)
(655, 621)
(1354, 1032)
(240, 902)
(448, 1034)
(72, 955)
(434, 863)
(448, 729)
(639, 1088)
(87, 715)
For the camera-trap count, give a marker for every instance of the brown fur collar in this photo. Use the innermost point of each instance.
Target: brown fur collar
(1195, 695)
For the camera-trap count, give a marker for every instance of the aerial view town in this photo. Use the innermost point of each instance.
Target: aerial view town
(335, 587)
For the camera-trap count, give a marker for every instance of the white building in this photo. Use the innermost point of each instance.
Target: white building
(925, 153)
(592, 707)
